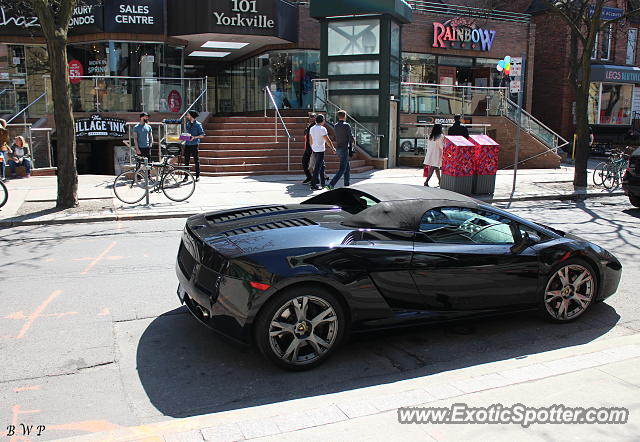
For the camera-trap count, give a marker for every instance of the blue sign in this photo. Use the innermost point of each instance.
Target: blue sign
(607, 13)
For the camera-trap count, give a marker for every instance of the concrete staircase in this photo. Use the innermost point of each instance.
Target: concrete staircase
(246, 146)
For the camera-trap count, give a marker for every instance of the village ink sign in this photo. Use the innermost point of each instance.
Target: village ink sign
(98, 126)
(461, 34)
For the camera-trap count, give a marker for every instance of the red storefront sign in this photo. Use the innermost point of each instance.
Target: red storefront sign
(75, 71)
(174, 101)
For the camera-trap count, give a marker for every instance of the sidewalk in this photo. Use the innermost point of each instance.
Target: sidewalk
(603, 373)
(32, 201)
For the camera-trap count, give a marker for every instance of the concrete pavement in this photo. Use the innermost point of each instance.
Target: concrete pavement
(596, 374)
(32, 201)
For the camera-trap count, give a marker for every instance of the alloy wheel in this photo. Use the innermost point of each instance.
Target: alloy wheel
(303, 330)
(569, 292)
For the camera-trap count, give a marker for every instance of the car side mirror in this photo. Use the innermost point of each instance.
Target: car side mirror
(527, 241)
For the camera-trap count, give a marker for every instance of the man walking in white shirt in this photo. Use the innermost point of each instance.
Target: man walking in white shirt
(319, 138)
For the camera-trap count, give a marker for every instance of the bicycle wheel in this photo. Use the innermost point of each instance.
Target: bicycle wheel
(598, 173)
(178, 184)
(610, 178)
(130, 186)
(4, 192)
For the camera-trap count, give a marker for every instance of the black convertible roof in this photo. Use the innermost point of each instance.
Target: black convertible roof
(399, 206)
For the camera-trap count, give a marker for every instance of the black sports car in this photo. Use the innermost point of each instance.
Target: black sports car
(295, 279)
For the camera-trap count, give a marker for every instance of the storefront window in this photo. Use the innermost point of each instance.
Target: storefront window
(354, 67)
(358, 105)
(594, 97)
(288, 74)
(418, 68)
(615, 103)
(354, 37)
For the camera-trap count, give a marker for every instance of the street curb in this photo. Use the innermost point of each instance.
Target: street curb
(143, 217)
(387, 397)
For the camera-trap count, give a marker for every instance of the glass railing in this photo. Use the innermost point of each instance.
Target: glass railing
(136, 94)
(424, 98)
(533, 126)
(365, 138)
(39, 141)
(8, 100)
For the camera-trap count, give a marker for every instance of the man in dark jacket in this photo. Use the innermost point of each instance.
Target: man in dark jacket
(458, 128)
(306, 156)
(344, 146)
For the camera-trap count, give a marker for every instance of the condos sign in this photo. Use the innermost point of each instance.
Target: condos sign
(92, 16)
(461, 35)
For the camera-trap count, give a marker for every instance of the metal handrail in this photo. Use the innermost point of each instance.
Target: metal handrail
(538, 122)
(204, 91)
(492, 14)
(44, 94)
(125, 77)
(277, 115)
(453, 86)
(358, 125)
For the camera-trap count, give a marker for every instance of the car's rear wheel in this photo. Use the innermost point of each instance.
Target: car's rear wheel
(569, 292)
(634, 200)
(301, 327)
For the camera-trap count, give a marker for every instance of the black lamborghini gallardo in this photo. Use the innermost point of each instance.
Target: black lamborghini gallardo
(296, 279)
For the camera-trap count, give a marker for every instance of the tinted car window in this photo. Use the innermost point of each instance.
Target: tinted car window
(459, 225)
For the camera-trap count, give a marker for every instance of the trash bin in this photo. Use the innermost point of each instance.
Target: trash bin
(457, 165)
(485, 164)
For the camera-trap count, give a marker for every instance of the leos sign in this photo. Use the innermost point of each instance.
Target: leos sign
(461, 35)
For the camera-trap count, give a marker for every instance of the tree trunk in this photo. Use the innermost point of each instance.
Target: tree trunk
(65, 133)
(582, 125)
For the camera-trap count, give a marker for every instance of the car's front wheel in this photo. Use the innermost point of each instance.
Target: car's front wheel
(569, 292)
(634, 200)
(301, 327)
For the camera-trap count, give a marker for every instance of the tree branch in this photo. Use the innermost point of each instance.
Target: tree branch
(571, 21)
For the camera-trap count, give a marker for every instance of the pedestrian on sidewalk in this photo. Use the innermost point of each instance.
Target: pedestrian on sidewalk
(433, 155)
(344, 149)
(20, 156)
(306, 156)
(143, 136)
(195, 129)
(458, 128)
(319, 139)
(4, 148)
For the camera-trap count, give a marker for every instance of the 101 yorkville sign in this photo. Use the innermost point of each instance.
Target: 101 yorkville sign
(244, 14)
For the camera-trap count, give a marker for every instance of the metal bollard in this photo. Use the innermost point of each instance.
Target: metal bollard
(146, 179)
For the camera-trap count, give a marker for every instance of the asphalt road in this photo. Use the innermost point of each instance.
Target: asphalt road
(92, 335)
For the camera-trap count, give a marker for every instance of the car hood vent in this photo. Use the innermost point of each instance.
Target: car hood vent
(243, 213)
(299, 222)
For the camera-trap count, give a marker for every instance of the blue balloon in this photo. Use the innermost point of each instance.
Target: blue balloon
(502, 64)
(507, 59)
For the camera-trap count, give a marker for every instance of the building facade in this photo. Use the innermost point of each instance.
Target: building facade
(614, 101)
(159, 56)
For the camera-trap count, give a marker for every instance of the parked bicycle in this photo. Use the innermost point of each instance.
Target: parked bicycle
(176, 182)
(4, 192)
(609, 173)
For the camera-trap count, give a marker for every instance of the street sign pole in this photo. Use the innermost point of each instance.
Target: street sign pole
(518, 124)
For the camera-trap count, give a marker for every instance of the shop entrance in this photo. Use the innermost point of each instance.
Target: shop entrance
(95, 157)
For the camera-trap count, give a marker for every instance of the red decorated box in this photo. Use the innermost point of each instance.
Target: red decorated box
(457, 158)
(485, 155)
